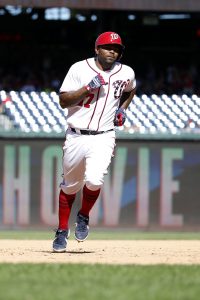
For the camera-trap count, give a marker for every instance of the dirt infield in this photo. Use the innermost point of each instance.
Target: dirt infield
(102, 252)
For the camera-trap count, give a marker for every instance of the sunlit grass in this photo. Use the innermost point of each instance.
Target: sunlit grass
(81, 282)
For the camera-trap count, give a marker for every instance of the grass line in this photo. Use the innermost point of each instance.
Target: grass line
(96, 234)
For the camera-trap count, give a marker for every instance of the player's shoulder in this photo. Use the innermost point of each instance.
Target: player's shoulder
(127, 68)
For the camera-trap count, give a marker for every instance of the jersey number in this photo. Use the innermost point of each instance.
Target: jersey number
(86, 102)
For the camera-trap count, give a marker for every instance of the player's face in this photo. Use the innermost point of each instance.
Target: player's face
(108, 54)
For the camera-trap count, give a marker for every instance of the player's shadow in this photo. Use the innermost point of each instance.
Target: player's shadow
(69, 252)
(80, 252)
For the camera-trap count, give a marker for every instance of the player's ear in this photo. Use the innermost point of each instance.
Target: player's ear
(96, 51)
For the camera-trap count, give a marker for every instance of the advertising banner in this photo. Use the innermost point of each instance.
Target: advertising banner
(149, 185)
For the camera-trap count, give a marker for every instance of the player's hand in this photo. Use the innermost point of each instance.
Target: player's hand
(95, 83)
(120, 117)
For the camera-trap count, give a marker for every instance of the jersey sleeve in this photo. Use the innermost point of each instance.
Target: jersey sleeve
(132, 81)
(71, 81)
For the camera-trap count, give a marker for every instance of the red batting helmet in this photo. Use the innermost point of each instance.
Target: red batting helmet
(109, 37)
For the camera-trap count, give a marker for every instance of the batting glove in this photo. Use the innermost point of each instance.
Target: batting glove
(120, 117)
(95, 83)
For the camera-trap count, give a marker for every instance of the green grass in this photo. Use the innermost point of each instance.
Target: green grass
(97, 234)
(97, 282)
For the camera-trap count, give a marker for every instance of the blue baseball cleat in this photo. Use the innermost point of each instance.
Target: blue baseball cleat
(60, 241)
(82, 228)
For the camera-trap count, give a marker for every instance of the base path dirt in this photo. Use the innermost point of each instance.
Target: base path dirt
(102, 252)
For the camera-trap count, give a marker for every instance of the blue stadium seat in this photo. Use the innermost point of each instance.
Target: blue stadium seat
(40, 111)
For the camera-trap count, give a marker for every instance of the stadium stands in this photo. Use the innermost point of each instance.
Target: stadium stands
(40, 112)
(34, 112)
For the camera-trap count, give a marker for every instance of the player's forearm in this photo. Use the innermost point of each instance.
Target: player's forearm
(126, 99)
(68, 99)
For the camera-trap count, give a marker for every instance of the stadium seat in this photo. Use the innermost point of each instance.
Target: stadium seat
(40, 112)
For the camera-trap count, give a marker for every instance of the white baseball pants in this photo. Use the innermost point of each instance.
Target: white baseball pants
(86, 159)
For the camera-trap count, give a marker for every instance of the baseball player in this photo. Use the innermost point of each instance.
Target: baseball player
(96, 92)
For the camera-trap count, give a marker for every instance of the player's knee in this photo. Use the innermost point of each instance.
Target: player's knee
(94, 185)
(71, 189)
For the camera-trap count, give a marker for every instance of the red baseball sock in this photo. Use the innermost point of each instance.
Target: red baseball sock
(65, 205)
(88, 200)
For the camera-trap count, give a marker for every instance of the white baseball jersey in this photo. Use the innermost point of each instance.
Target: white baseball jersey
(97, 110)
